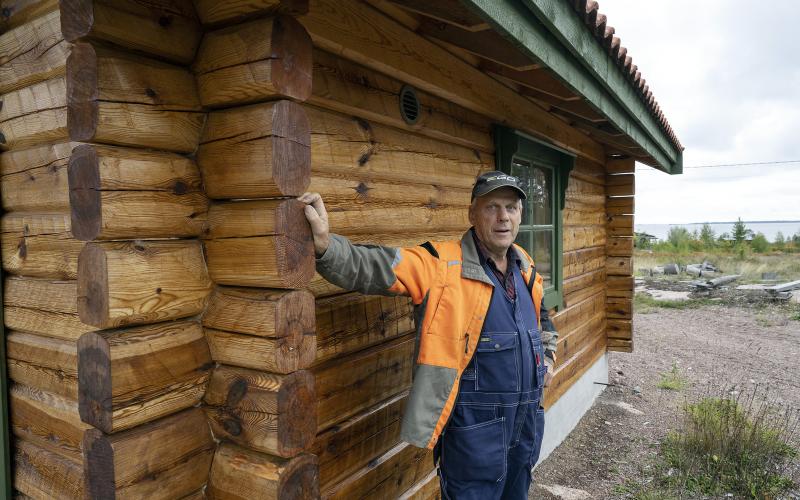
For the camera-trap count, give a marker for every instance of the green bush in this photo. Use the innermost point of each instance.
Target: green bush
(759, 243)
(727, 448)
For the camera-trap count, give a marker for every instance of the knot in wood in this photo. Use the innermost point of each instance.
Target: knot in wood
(165, 21)
(150, 92)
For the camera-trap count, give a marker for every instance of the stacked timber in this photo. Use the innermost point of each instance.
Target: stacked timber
(254, 155)
(581, 323)
(619, 209)
(102, 211)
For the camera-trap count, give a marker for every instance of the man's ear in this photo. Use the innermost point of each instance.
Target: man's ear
(471, 213)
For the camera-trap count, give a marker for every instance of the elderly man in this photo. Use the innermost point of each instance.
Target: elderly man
(485, 344)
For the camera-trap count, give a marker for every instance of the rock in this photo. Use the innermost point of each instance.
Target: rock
(637, 390)
(630, 409)
(566, 493)
(658, 270)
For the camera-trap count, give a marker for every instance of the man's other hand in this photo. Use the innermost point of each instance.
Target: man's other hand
(318, 218)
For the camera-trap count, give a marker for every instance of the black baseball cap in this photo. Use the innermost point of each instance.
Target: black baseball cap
(489, 181)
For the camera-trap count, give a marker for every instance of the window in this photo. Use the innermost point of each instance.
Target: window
(543, 171)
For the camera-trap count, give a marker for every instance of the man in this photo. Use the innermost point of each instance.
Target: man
(481, 364)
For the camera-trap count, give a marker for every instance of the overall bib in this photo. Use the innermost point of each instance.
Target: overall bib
(494, 435)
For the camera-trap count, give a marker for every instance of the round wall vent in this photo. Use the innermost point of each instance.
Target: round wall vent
(409, 105)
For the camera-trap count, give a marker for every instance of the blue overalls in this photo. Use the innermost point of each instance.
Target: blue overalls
(494, 435)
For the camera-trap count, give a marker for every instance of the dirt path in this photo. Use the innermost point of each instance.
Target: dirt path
(717, 349)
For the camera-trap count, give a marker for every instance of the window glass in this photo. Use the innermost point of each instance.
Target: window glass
(540, 195)
(521, 169)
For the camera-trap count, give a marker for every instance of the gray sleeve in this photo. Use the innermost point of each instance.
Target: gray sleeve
(364, 268)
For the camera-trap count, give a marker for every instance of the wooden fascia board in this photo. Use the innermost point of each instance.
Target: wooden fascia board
(577, 59)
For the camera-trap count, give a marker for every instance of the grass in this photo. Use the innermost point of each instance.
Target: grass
(672, 380)
(644, 303)
(725, 447)
(786, 265)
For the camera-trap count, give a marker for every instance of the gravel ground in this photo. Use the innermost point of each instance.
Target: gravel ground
(717, 349)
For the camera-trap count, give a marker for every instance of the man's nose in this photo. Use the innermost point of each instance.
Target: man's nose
(503, 214)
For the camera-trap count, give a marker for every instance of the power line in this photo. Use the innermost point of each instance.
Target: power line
(721, 165)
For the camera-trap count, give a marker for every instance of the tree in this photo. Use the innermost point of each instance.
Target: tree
(759, 243)
(780, 241)
(707, 235)
(740, 231)
(679, 238)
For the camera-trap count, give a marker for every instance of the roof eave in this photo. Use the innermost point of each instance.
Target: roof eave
(551, 33)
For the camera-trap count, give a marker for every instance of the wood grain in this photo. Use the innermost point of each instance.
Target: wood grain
(44, 363)
(254, 61)
(136, 375)
(263, 411)
(137, 282)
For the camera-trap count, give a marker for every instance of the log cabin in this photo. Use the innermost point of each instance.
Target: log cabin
(166, 335)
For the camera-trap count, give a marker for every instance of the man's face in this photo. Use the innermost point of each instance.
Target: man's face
(496, 217)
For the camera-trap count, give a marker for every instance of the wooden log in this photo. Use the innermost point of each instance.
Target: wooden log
(577, 237)
(167, 29)
(619, 308)
(353, 191)
(257, 151)
(621, 166)
(214, 12)
(118, 98)
(43, 363)
(31, 51)
(167, 458)
(572, 341)
(34, 115)
(620, 185)
(241, 474)
(374, 40)
(428, 488)
(568, 372)
(255, 61)
(386, 476)
(19, 12)
(118, 193)
(620, 329)
(619, 247)
(129, 377)
(620, 206)
(279, 355)
(48, 420)
(351, 322)
(42, 474)
(578, 312)
(581, 261)
(619, 266)
(261, 411)
(620, 225)
(620, 286)
(124, 283)
(344, 146)
(44, 307)
(582, 294)
(349, 88)
(36, 179)
(348, 386)
(620, 345)
(351, 445)
(39, 245)
(584, 280)
(266, 313)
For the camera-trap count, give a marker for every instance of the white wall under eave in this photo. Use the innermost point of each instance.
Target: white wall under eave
(565, 414)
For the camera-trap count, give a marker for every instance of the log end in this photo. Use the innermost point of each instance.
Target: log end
(292, 64)
(297, 339)
(291, 148)
(82, 91)
(93, 286)
(295, 248)
(94, 381)
(300, 479)
(83, 176)
(297, 424)
(98, 465)
(77, 18)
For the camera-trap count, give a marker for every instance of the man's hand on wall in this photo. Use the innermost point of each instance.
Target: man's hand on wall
(318, 218)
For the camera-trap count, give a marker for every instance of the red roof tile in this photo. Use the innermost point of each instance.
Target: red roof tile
(597, 24)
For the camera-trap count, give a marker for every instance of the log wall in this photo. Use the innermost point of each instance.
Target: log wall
(160, 283)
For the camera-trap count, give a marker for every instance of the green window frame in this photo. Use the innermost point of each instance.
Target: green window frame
(544, 171)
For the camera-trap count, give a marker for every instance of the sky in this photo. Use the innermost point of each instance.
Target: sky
(727, 76)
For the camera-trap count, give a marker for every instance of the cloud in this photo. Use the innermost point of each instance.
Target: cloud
(727, 78)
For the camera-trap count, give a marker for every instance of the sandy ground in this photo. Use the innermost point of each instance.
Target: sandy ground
(718, 349)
